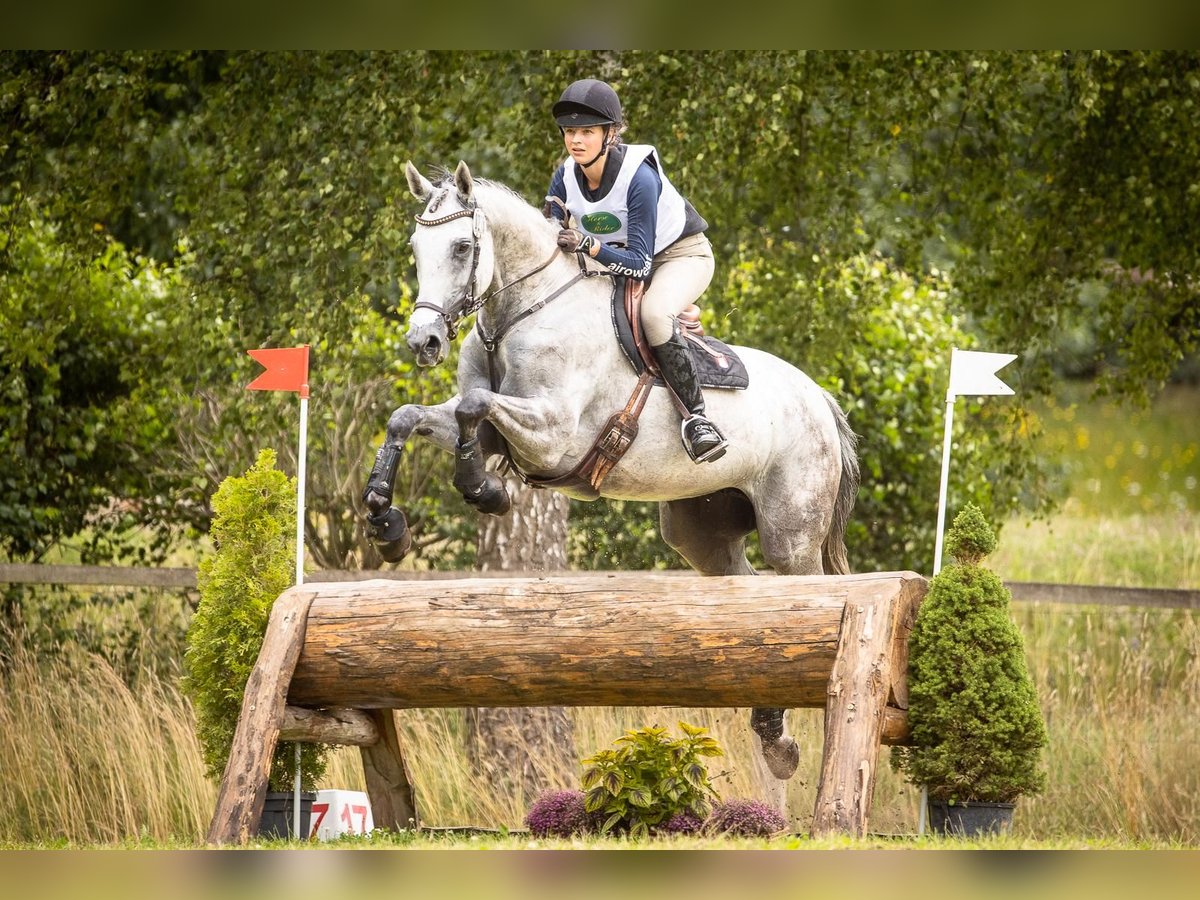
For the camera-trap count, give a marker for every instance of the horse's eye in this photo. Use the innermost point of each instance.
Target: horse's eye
(461, 248)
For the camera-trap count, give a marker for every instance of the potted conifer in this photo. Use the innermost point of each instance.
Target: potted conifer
(977, 729)
(252, 564)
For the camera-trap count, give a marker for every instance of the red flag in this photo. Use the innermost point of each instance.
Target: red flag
(287, 370)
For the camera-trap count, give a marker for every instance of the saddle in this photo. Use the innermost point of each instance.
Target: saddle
(717, 366)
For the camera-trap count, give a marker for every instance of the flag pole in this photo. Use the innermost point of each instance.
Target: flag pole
(941, 515)
(301, 454)
(937, 552)
(300, 475)
(287, 370)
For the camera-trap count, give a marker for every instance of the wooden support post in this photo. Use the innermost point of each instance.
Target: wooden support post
(896, 732)
(864, 676)
(393, 802)
(244, 784)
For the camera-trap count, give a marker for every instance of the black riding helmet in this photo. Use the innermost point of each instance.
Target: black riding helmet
(588, 102)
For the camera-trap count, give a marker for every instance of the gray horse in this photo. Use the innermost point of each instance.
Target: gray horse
(539, 386)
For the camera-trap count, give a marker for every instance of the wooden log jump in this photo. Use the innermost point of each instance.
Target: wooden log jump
(338, 657)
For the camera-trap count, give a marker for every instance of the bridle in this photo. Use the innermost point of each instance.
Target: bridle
(468, 300)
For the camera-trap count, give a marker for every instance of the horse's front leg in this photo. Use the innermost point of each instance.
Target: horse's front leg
(386, 524)
(482, 489)
(533, 425)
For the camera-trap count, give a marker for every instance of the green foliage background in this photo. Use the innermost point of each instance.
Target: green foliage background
(161, 212)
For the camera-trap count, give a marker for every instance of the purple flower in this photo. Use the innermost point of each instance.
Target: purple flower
(681, 823)
(559, 814)
(748, 818)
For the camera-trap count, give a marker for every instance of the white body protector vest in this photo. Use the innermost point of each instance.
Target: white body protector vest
(608, 219)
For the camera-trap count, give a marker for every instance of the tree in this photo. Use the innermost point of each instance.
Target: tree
(80, 336)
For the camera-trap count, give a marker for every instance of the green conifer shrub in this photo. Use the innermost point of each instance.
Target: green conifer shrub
(253, 532)
(977, 729)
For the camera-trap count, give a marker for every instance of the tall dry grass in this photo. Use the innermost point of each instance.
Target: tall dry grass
(1119, 688)
(87, 758)
(1160, 550)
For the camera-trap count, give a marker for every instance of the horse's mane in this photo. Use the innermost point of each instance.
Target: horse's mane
(441, 177)
(521, 210)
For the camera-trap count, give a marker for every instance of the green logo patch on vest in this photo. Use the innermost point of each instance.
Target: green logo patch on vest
(601, 223)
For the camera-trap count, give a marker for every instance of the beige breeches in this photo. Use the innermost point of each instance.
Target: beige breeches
(681, 273)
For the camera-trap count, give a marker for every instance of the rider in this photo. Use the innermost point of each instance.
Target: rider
(631, 219)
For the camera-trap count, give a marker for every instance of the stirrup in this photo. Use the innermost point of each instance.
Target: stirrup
(712, 454)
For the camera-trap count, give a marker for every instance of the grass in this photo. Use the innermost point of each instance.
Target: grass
(1132, 478)
(1139, 550)
(88, 758)
(1120, 461)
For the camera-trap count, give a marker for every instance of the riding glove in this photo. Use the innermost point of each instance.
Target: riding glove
(573, 241)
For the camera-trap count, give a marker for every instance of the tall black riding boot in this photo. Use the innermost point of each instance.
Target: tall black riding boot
(701, 438)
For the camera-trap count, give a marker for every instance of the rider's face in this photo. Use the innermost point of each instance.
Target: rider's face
(583, 142)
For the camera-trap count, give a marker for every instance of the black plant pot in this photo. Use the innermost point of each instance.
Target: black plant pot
(277, 818)
(971, 819)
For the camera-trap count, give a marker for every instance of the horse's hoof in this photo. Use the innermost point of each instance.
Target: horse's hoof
(782, 757)
(492, 497)
(395, 551)
(376, 503)
(389, 532)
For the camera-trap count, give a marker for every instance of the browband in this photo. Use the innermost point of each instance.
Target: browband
(446, 218)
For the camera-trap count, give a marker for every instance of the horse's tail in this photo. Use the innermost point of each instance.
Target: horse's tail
(833, 551)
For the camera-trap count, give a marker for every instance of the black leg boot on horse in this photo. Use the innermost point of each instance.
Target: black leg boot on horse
(387, 526)
(701, 438)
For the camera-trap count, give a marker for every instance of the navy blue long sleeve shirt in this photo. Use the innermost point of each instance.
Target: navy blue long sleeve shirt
(635, 257)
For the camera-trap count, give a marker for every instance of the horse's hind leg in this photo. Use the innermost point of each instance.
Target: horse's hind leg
(710, 532)
(791, 529)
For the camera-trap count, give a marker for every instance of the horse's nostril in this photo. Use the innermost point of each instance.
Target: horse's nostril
(432, 346)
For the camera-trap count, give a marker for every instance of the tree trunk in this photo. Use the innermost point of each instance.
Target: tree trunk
(533, 749)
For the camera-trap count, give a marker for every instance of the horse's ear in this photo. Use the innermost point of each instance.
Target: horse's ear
(462, 181)
(417, 183)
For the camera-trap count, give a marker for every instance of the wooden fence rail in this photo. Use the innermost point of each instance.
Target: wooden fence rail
(185, 579)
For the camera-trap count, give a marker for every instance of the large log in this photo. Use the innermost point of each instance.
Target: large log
(622, 639)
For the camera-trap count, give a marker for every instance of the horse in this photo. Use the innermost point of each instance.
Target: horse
(540, 374)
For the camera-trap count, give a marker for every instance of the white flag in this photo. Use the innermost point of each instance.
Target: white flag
(972, 372)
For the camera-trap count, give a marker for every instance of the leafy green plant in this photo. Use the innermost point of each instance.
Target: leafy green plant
(649, 778)
(239, 582)
(977, 729)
